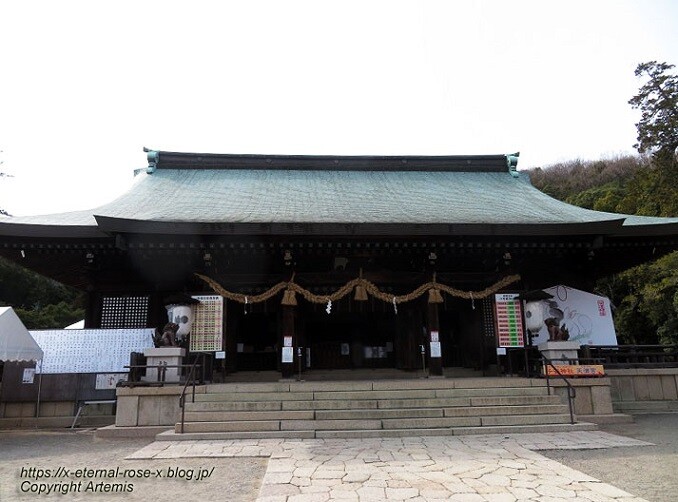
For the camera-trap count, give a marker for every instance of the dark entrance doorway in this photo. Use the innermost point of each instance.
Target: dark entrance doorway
(351, 340)
(256, 342)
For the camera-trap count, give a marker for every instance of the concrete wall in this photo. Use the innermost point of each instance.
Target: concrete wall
(648, 390)
(147, 406)
(593, 396)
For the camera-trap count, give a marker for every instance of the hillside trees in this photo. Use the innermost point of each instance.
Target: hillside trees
(646, 297)
(657, 100)
(39, 302)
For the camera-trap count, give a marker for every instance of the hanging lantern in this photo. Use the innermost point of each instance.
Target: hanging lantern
(289, 298)
(434, 296)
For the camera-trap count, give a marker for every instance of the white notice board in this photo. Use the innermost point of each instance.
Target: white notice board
(90, 350)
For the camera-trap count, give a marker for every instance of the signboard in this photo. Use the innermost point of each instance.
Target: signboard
(207, 329)
(586, 317)
(90, 350)
(28, 376)
(287, 354)
(509, 319)
(107, 381)
(435, 349)
(576, 370)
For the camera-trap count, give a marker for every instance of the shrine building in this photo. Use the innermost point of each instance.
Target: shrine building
(331, 262)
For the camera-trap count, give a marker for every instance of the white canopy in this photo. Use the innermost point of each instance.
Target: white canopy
(16, 343)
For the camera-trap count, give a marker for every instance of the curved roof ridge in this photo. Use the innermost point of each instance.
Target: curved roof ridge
(159, 159)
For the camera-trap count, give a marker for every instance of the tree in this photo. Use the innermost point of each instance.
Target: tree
(2, 175)
(657, 100)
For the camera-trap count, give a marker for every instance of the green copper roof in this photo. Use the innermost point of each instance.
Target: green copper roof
(284, 194)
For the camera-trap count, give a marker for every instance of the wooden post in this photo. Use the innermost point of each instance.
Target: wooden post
(435, 364)
(287, 368)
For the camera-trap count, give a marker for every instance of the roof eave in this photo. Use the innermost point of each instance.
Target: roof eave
(120, 225)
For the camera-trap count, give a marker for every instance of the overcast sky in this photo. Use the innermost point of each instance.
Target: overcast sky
(86, 85)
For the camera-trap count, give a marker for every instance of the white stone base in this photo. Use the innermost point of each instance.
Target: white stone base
(170, 356)
(560, 352)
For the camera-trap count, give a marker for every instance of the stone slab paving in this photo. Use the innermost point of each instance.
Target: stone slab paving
(483, 468)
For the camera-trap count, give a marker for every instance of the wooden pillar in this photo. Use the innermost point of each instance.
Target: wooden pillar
(435, 364)
(288, 368)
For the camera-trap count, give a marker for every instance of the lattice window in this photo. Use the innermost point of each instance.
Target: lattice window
(124, 312)
(488, 318)
(207, 330)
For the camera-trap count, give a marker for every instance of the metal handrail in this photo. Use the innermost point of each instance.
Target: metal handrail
(162, 371)
(571, 391)
(182, 399)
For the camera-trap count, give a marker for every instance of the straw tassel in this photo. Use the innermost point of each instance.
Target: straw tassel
(289, 298)
(360, 292)
(434, 296)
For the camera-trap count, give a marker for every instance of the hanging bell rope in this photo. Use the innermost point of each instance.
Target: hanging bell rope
(370, 288)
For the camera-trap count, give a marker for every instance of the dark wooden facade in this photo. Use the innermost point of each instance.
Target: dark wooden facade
(114, 252)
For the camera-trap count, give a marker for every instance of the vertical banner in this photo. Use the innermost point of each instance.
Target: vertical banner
(509, 317)
(207, 329)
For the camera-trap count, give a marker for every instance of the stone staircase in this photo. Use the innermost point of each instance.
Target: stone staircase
(379, 408)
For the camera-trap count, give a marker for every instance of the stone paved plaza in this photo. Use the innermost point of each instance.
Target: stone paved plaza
(484, 468)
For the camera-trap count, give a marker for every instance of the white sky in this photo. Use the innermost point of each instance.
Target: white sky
(85, 85)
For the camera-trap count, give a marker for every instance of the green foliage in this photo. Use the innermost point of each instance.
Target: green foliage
(600, 198)
(20, 287)
(615, 185)
(657, 100)
(41, 303)
(52, 316)
(646, 298)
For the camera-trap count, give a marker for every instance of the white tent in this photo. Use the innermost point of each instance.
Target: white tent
(16, 343)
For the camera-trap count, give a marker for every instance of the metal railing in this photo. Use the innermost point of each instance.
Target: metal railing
(571, 391)
(631, 356)
(135, 378)
(190, 379)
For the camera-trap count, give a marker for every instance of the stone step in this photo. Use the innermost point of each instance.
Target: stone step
(461, 411)
(383, 394)
(515, 400)
(562, 418)
(367, 404)
(244, 425)
(303, 405)
(371, 395)
(487, 411)
(230, 426)
(492, 392)
(457, 383)
(234, 406)
(367, 385)
(379, 414)
(457, 431)
(345, 434)
(318, 425)
(174, 435)
(226, 416)
(372, 408)
(255, 396)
